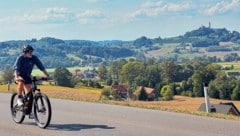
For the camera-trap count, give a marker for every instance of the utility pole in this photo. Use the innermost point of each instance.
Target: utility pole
(206, 98)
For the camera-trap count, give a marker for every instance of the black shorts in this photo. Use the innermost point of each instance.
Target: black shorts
(26, 79)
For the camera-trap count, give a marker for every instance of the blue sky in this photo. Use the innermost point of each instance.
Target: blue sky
(113, 19)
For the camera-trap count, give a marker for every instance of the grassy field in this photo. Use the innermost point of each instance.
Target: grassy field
(37, 72)
(167, 50)
(179, 104)
(236, 65)
(163, 51)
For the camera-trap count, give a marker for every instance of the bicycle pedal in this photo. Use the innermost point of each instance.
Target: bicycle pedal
(31, 116)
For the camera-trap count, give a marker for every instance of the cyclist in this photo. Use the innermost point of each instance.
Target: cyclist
(22, 71)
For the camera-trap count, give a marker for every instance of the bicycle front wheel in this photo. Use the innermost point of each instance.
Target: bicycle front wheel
(42, 110)
(17, 112)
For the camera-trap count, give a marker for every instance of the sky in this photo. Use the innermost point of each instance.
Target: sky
(99, 20)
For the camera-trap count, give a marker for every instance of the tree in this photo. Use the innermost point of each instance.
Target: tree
(63, 77)
(115, 69)
(153, 75)
(212, 90)
(109, 79)
(236, 92)
(168, 71)
(201, 76)
(102, 72)
(224, 92)
(225, 87)
(197, 84)
(184, 85)
(231, 57)
(142, 42)
(132, 73)
(7, 75)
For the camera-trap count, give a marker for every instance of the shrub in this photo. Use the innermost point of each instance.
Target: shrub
(108, 94)
(167, 93)
(187, 93)
(63, 77)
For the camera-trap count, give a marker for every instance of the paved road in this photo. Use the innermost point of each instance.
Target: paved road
(90, 119)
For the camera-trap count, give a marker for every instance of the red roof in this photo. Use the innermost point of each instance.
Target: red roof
(120, 88)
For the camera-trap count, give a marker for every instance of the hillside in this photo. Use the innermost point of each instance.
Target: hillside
(204, 41)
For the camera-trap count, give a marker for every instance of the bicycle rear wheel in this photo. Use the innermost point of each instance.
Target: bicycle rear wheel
(17, 112)
(42, 110)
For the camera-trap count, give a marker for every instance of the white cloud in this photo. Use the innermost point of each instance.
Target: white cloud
(150, 9)
(52, 15)
(48, 15)
(222, 7)
(55, 15)
(90, 16)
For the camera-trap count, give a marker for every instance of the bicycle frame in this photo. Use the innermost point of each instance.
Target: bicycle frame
(30, 96)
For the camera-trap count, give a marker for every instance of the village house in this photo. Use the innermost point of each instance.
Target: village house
(78, 73)
(121, 90)
(224, 108)
(84, 74)
(147, 94)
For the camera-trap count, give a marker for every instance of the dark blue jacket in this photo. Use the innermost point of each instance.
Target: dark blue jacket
(24, 65)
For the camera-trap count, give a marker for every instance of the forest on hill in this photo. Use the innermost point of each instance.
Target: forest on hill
(67, 53)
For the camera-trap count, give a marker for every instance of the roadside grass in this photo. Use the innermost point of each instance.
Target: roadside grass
(180, 104)
(77, 94)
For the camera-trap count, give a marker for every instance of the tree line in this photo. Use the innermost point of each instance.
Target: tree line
(181, 79)
(166, 77)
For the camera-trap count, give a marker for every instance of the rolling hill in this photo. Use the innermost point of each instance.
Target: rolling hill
(202, 42)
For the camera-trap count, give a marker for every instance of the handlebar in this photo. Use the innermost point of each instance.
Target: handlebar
(35, 79)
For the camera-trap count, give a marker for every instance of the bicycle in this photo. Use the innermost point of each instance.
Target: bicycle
(36, 104)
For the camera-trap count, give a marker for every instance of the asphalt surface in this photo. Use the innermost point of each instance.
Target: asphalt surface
(91, 119)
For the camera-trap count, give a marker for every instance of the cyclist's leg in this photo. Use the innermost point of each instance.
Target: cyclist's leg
(28, 104)
(27, 86)
(23, 85)
(20, 88)
(27, 83)
(19, 91)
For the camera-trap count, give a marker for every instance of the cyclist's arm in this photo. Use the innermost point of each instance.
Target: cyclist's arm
(40, 66)
(45, 73)
(16, 69)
